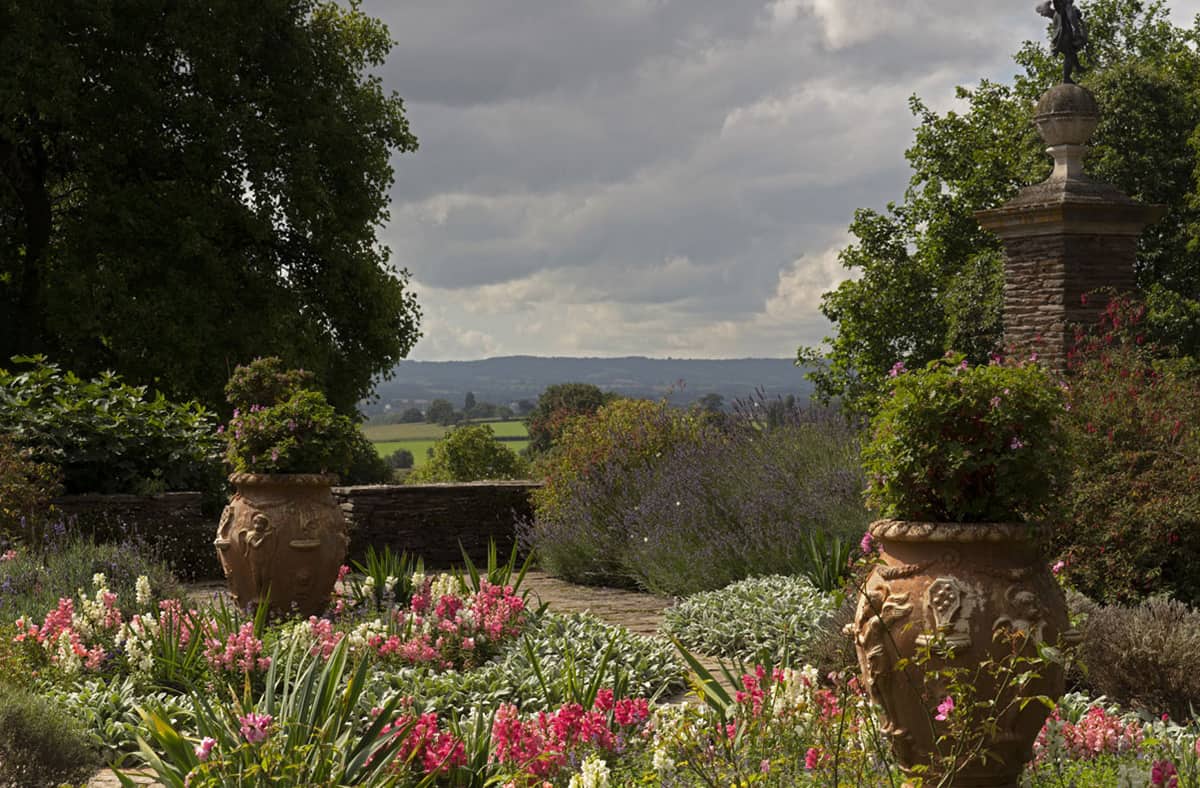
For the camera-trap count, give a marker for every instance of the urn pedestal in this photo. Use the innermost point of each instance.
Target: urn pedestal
(285, 534)
(949, 596)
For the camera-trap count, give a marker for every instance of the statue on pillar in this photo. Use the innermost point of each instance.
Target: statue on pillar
(1068, 36)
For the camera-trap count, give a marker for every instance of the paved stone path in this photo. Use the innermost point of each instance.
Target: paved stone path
(639, 613)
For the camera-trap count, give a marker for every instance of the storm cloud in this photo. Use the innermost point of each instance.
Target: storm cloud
(659, 177)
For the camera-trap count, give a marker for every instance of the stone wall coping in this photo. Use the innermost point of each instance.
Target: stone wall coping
(389, 488)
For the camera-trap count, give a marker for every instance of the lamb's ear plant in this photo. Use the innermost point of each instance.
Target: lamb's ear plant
(305, 730)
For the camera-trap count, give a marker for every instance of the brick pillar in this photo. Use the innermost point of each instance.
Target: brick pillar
(1064, 237)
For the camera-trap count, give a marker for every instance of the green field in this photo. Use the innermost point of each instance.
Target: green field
(377, 433)
(418, 438)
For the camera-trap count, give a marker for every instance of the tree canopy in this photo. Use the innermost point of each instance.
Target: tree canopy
(927, 279)
(185, 186)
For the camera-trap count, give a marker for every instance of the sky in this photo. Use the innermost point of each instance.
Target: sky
(659, 177)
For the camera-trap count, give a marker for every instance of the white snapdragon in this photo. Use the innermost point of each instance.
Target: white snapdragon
(143, 593)
(389, 586)
(137, 638)
(594, 774)
(443, 585)
(64, 654)
(360, 637)
(663, 763)
(368, 586)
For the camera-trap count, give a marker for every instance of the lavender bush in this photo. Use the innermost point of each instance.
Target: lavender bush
(735, 501)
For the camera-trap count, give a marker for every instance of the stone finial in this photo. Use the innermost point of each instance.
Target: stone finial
(1066, 116)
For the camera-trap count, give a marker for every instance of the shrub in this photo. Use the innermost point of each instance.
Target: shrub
(366, 466)
(33, 580)
(1131, 522)
(580, 529)
(106, 436)
(966, 444)
(26, 487)
(762, 620)
(1145, 656)
(470, 453)
(830, 648)
(401, 459)
(745, 501)
(279, 425)
(40, 745)
(556, 407)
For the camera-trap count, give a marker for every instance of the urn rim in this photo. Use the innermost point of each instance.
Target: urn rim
(285, 479)
(926, 531)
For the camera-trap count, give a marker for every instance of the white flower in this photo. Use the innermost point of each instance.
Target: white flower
(594, 774)
(99, 582)
(66, 658)
(663, 763)
(389, 585)
(144, 595)
(443, 585)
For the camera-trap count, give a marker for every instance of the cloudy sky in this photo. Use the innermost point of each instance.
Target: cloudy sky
(659, 177)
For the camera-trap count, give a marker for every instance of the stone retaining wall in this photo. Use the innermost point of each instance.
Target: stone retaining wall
(430, 520)
(426, 520)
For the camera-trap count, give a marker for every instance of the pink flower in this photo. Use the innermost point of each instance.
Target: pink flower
(1164, 773)
(1017, 443)
(897, 369)
(944, 708)
(204, 748)
(995, 401)
(867, 544)
(9, 555)
(255, 727)
(1058, 567)
(812, 758)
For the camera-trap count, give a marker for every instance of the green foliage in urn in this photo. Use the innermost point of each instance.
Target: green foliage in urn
(956, 443)
(280, 426)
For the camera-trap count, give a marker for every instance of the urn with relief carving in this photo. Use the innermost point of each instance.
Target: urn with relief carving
(974, 600)
(285, 534)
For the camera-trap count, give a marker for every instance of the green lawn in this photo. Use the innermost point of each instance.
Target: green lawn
(420, 446)
(377, 433)
(417, 447)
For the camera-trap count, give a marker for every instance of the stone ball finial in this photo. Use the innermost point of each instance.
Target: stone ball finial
(1066, 114)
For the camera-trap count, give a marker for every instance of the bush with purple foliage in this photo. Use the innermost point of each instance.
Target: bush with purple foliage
(739, 501)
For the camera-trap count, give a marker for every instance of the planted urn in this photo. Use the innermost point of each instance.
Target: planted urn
(283, 537)
(960, 625)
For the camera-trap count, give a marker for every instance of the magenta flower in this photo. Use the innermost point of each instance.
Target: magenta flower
(204, 748)
(897, 369)
(255, 727)
(867, 544)
(1058, 567)
(995, 402)
(1164, 773)
(1017, 443)
(944, 708)
(812, 758)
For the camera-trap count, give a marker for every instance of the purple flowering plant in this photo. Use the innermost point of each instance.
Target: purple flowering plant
(956, 443)
(282, 424)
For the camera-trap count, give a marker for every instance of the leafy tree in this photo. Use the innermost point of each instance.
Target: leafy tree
(412, 416)
(927, 279)
(712, 403)
(440, 411)
(470, 453)
(525, 407)
(556, 406)
(400, 458)
(469, 403)
(504, 413)
(187, 185)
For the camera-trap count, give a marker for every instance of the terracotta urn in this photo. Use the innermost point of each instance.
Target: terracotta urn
(948, 596)
(283, 533)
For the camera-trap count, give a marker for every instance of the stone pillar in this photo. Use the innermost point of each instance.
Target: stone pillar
(1064, 237)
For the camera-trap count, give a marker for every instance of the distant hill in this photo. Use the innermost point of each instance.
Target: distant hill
(512, 378)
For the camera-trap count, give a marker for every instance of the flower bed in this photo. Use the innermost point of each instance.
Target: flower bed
(455, 680)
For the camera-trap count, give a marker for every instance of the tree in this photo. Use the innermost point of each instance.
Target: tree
(470, 453)
(556, 405)
(469, 403)
(712, 403)
(525, 407)
(186, 186)
(440, 411)
(400, 459)
(504, 413)
(412, 416)
(929, 279)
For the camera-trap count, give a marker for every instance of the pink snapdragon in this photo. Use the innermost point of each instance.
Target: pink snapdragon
(204, 748)
(1165, 774)
(9, 555)
(241, 652)
(1097, 733)
(438, 751)
(944, 709)
(255, 727)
